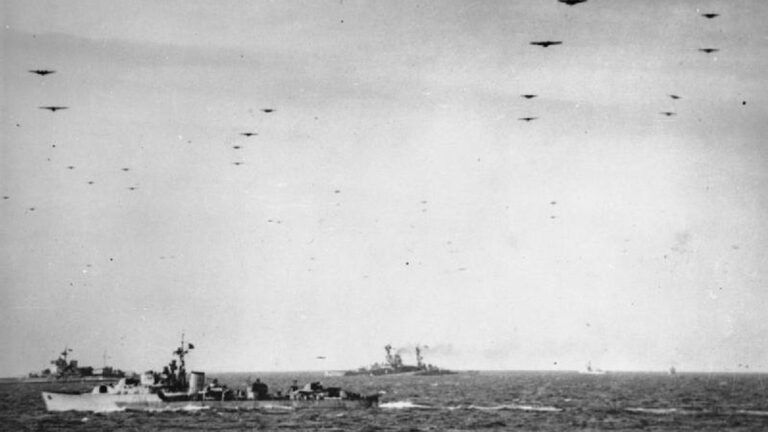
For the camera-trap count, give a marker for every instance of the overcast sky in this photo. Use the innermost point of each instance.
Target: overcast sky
(393, 195)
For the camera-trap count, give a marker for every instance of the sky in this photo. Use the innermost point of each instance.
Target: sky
(392, 195)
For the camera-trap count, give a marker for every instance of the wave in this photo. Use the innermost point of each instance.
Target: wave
(752, 412)
(516, 407)
(177, 409)
(406, 404)
(682, 411)
(655, 410)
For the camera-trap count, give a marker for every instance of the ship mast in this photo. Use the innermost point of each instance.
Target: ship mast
(181, 351)
(390, 360)
(419, 358)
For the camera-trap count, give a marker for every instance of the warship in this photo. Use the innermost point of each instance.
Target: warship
(175, 389)
(67, 370)
(393, 365)
(589, 370)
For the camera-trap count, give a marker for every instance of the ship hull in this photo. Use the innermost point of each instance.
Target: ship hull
(95, 402)
(246, 405)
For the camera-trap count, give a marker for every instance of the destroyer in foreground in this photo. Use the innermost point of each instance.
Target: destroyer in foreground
(174, 389)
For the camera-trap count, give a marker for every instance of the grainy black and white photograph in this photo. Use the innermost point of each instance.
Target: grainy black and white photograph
(354, 215)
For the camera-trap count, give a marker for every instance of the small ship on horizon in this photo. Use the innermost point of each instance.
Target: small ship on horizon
(393, 364)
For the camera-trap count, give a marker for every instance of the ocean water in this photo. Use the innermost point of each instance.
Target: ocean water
(535, 401)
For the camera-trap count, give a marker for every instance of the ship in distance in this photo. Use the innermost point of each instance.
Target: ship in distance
(68, 370)
(589, 370)
(393, 364)
(175, 389)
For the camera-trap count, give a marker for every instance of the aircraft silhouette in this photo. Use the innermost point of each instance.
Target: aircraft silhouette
(545, 44)
(709, 50)
(42, 72)
(237, 163)
(54, 108)
(248, 134)
(236, 147)
(710, 15)
(571, 2)
(528, 96)
(667, 113)
(527, 119)
(674, 96)
(267, 110)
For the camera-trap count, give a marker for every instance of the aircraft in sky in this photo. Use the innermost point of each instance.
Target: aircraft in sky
(546, 44)
(42, 72)
(53, 108)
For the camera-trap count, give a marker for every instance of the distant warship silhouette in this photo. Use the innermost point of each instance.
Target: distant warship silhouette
(393, 364)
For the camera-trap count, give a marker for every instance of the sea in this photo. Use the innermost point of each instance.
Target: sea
(468, 401)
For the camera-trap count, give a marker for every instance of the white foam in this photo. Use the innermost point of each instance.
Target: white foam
(174, 409)
(109, 410)
(653, 410)
(270, 406)
(517, 407)
(402, 405)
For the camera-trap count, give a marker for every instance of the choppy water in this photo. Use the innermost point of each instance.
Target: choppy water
(485, 401)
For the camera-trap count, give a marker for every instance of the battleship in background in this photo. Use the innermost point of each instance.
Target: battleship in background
(70, 371)
(393, 364)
